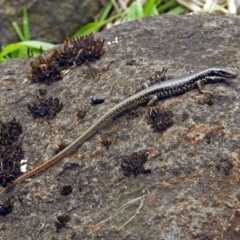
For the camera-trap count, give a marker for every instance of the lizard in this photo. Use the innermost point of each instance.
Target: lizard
(149, 94)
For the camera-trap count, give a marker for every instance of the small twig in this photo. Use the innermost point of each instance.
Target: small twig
(142, 200)
(99, 225)
(64, 72)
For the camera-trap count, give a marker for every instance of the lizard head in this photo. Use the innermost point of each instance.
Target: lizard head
(222, 73)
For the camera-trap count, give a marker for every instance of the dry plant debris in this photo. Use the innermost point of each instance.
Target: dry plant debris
(159, 76)
(133, 164)
(97, 226)
(74, 52)
(66, 190)
(210, 6)
(225, 7)
(45, 108)
(11, 152)
(6, 207)
(61, 221)
(160, 118)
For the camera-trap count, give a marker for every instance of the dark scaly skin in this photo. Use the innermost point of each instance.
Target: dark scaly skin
(162, 90)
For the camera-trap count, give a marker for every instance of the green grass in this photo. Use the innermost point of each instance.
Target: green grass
(27, 47)
(134, 12)
(24, 49)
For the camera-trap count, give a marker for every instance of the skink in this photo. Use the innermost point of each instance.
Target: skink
(157, 91)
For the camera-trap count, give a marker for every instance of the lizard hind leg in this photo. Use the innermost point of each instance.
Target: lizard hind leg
(153, 100)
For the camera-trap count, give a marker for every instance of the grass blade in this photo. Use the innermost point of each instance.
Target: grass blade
(178, 10)
(135, 11)
(37, 44)
(154, 11)
(106, 11)
(18, 31)
(162, 8)
(90, 28)
(21, 49)
(148, 8)
(26, 31)
(96, 26)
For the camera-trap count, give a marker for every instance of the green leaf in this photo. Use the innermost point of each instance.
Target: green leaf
(106, 11)
(164, 7)
(135, 12)
(90, 28)
(154, 11)
(158, 2)
(37, 44)
(18, 31)
(148, 7)
(9, 49)
(21, 53)
(96, 26)
(25, 34)
(26, 31)
(17, 49)
(178, 10)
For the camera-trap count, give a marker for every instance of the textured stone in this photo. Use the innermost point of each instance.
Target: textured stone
(194, 180)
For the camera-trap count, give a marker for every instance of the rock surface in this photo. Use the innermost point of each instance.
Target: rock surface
(194, 180)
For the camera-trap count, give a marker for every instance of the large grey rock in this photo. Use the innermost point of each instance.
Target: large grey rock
(194, 183)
